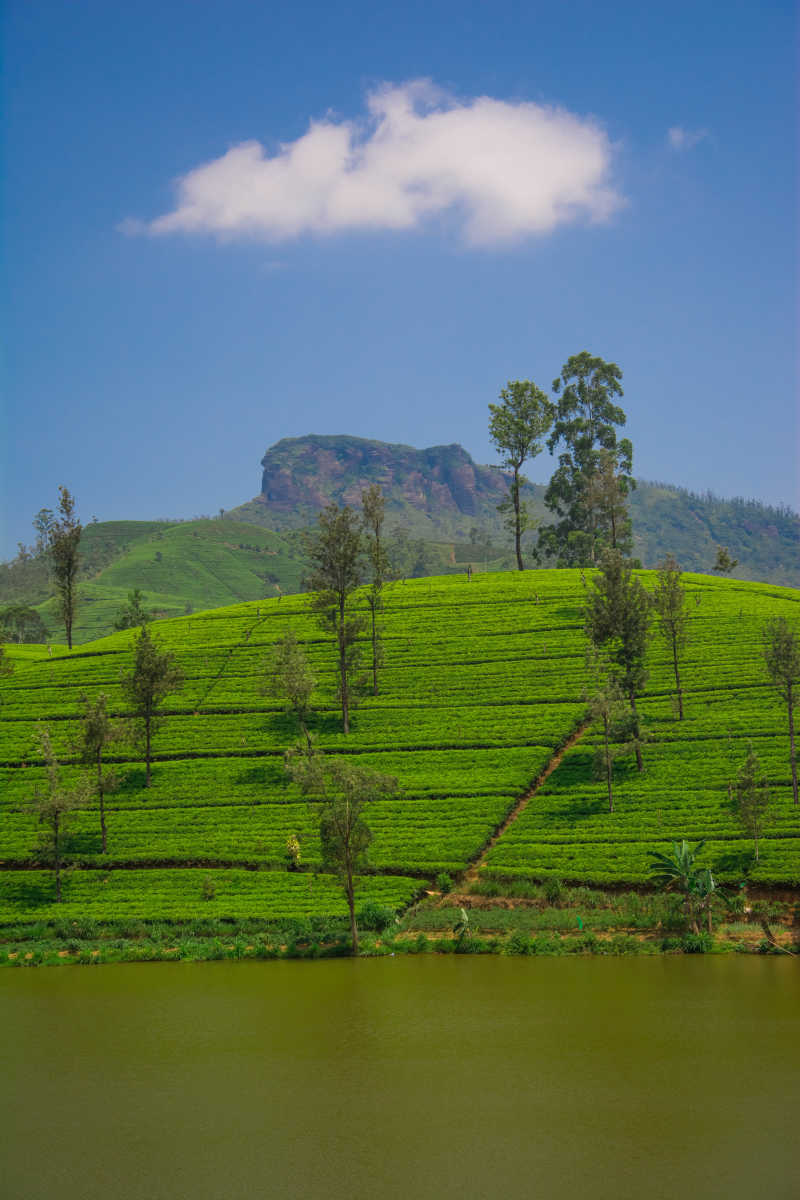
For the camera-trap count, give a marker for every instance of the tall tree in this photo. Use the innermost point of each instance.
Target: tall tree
(373, 505)
(617, 623)
(96, 732)
(64, 540)
(782, 658)
(336, 552)
(134, 613)
(585, 424)
(153, 677)
(516, 427)
(669, 601)
(750, 798)
(55, 805)
(608, 709)
(343, 792)
(291, 679)
(608, 519)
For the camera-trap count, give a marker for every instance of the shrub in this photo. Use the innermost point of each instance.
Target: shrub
(208, 887)
(374, 916)
(444, 883)
(554, 891)
(518, 943)
(697, 943)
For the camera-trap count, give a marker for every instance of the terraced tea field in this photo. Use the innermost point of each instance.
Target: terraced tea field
(482, 683)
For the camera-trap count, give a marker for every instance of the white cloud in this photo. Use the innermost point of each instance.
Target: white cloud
(501, 169)
(684, 139)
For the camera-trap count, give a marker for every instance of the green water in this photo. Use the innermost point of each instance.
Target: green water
(408, 1077)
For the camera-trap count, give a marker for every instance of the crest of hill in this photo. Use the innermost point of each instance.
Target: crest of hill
(440, 493)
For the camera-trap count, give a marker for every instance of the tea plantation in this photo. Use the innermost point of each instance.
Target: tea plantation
(482, 683)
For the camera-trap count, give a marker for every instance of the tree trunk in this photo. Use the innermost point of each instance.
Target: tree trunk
(677, 677)
(351, 904)
(792, 752)
(57, 857)
(517, 531)
(374, 650)
(609, 767)
(637, 741)
(101, 799)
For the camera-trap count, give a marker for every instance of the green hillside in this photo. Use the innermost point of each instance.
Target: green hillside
(482, 684)
(180, 567)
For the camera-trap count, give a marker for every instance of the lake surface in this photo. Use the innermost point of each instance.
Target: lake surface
(408, 1077)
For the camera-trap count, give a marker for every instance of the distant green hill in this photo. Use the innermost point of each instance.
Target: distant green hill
(440, 494)
(444, 504)
(180, 567)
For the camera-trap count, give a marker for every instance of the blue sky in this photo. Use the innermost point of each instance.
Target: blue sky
(618, 178)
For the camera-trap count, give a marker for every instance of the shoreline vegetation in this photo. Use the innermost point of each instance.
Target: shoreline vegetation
(548, 919)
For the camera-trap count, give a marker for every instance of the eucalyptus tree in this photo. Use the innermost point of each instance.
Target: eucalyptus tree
(585, 424)
(336, 555)
(55, 805)
(782, 659)
(153, 677)
(516, 427)
(670, 603)
(617, 621)
(96, 733)
(343, 792)
(373, 506)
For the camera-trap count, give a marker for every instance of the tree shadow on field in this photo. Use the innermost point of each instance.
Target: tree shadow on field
(28, 893)
(83, 842)
(130, 780)
(574, 771)
(264, 773)
(735, 862)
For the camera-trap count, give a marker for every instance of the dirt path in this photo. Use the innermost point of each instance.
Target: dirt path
(472, 872)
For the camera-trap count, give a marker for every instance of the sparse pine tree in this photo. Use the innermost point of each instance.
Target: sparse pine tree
(64, 539)
(672, 612)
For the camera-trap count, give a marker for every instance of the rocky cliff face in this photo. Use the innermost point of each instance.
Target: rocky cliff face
(440, 494)
(437, 490)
